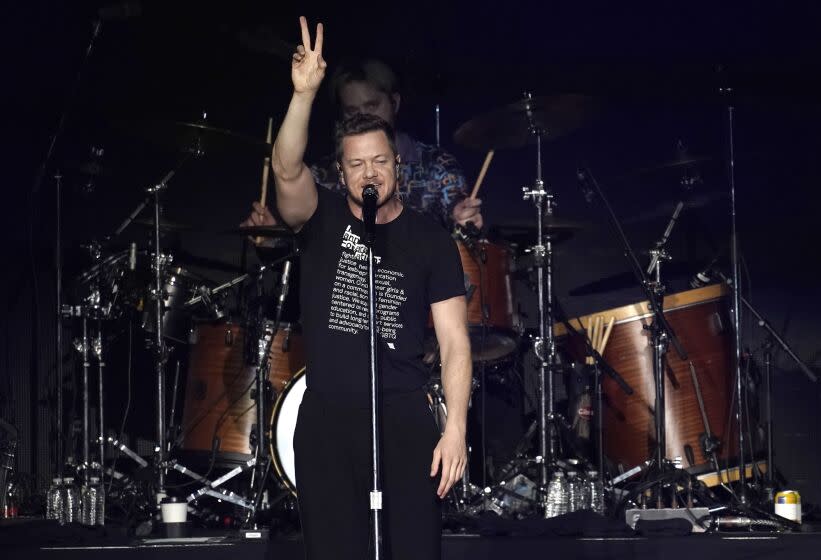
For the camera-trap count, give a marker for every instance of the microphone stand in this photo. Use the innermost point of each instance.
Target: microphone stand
(660, 330)
(742, 476)
(599, 365)
(369, 197)
(262, 457)
(58, 246)
(762, 322)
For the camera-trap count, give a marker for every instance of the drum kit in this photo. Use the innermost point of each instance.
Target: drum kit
(654, 409)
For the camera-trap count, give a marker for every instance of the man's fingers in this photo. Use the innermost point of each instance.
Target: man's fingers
(434, 466)
(320, 38)
(306, 36)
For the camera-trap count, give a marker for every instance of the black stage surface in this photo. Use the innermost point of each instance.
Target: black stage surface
(37, 539)
(727, 546)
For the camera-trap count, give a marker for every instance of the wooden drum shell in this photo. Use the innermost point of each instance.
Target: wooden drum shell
(701, 321)
(220, 381)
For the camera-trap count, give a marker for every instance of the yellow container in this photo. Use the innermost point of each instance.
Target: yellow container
(788, 504)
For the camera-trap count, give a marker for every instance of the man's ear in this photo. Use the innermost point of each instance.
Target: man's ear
(396, 99)
(341, 174)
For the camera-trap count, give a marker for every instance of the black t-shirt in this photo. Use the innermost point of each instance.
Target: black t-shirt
(416, 264)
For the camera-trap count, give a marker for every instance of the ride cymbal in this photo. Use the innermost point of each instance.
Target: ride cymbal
(517, 124)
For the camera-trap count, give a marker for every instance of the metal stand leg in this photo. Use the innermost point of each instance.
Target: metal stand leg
(86, 366)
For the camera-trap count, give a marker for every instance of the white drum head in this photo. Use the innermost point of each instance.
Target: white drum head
(284, 426)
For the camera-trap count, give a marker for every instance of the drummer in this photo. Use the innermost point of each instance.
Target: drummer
(429, 178)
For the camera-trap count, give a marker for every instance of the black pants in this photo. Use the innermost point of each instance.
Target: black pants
(333, 476)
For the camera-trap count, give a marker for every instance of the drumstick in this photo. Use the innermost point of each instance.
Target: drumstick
(481, 177)
(599, 332)
(263, 196)
(607, 332)
(591, 336)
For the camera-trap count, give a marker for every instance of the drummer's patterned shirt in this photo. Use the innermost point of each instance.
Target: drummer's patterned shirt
(430, 179)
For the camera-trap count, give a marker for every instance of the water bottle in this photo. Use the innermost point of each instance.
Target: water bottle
(594, 493)
(575, 492)
(54, 500)
(557, 496)
(93, 505)
(71, 501)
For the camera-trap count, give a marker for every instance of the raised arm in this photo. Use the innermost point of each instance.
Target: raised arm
(295, 187)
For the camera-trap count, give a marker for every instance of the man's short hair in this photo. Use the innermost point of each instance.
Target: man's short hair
(361, 123)
(369, 70)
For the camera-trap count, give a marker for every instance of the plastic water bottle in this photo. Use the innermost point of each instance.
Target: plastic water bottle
(575, 492)
(71, 501)
(557, 495)
(594, 492)
(93, 505)
(54, 500)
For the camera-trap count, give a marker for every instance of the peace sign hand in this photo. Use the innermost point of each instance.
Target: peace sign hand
(308, 66)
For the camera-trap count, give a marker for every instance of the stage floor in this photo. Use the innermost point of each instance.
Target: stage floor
(725, 546)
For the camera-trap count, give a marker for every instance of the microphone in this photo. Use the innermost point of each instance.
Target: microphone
(584, 182)
(369, 197)
(705, 276)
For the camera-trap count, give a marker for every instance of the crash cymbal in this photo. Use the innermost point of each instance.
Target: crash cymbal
(197, 138)
(665, 209)
(262, 231)
(557, 228)
(515, 125)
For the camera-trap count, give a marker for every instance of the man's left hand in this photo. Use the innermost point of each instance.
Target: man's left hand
(451, 454)
(468, 210)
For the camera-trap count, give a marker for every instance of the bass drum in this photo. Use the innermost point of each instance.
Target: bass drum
(283, 424)
(218, 410)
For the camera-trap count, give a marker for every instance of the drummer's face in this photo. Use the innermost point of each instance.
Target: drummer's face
(367, 158)
(361, 97)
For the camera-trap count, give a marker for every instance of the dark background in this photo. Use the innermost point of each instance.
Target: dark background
(655, 69)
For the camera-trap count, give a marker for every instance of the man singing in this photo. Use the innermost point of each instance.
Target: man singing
(418, 271)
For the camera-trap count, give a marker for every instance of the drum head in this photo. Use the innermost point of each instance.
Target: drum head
(283, 424)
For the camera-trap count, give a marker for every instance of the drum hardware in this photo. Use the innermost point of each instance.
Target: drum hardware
(464, 492)
(212, 488)
(599, 366)
(544, 345)
(773, 339)
(156, 293)
(70, 99)
(261, 456)
(661, 334)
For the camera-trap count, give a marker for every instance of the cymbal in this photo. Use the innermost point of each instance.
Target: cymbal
(557, 228)
(624, 280)
(262, 231)
(165, 225)
(199, 138)
(515, 125)
(673, 164)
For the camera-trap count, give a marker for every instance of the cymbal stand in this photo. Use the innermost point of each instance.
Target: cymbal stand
(89, 309)
(97, 349)
(544, 345)
(160, 352)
